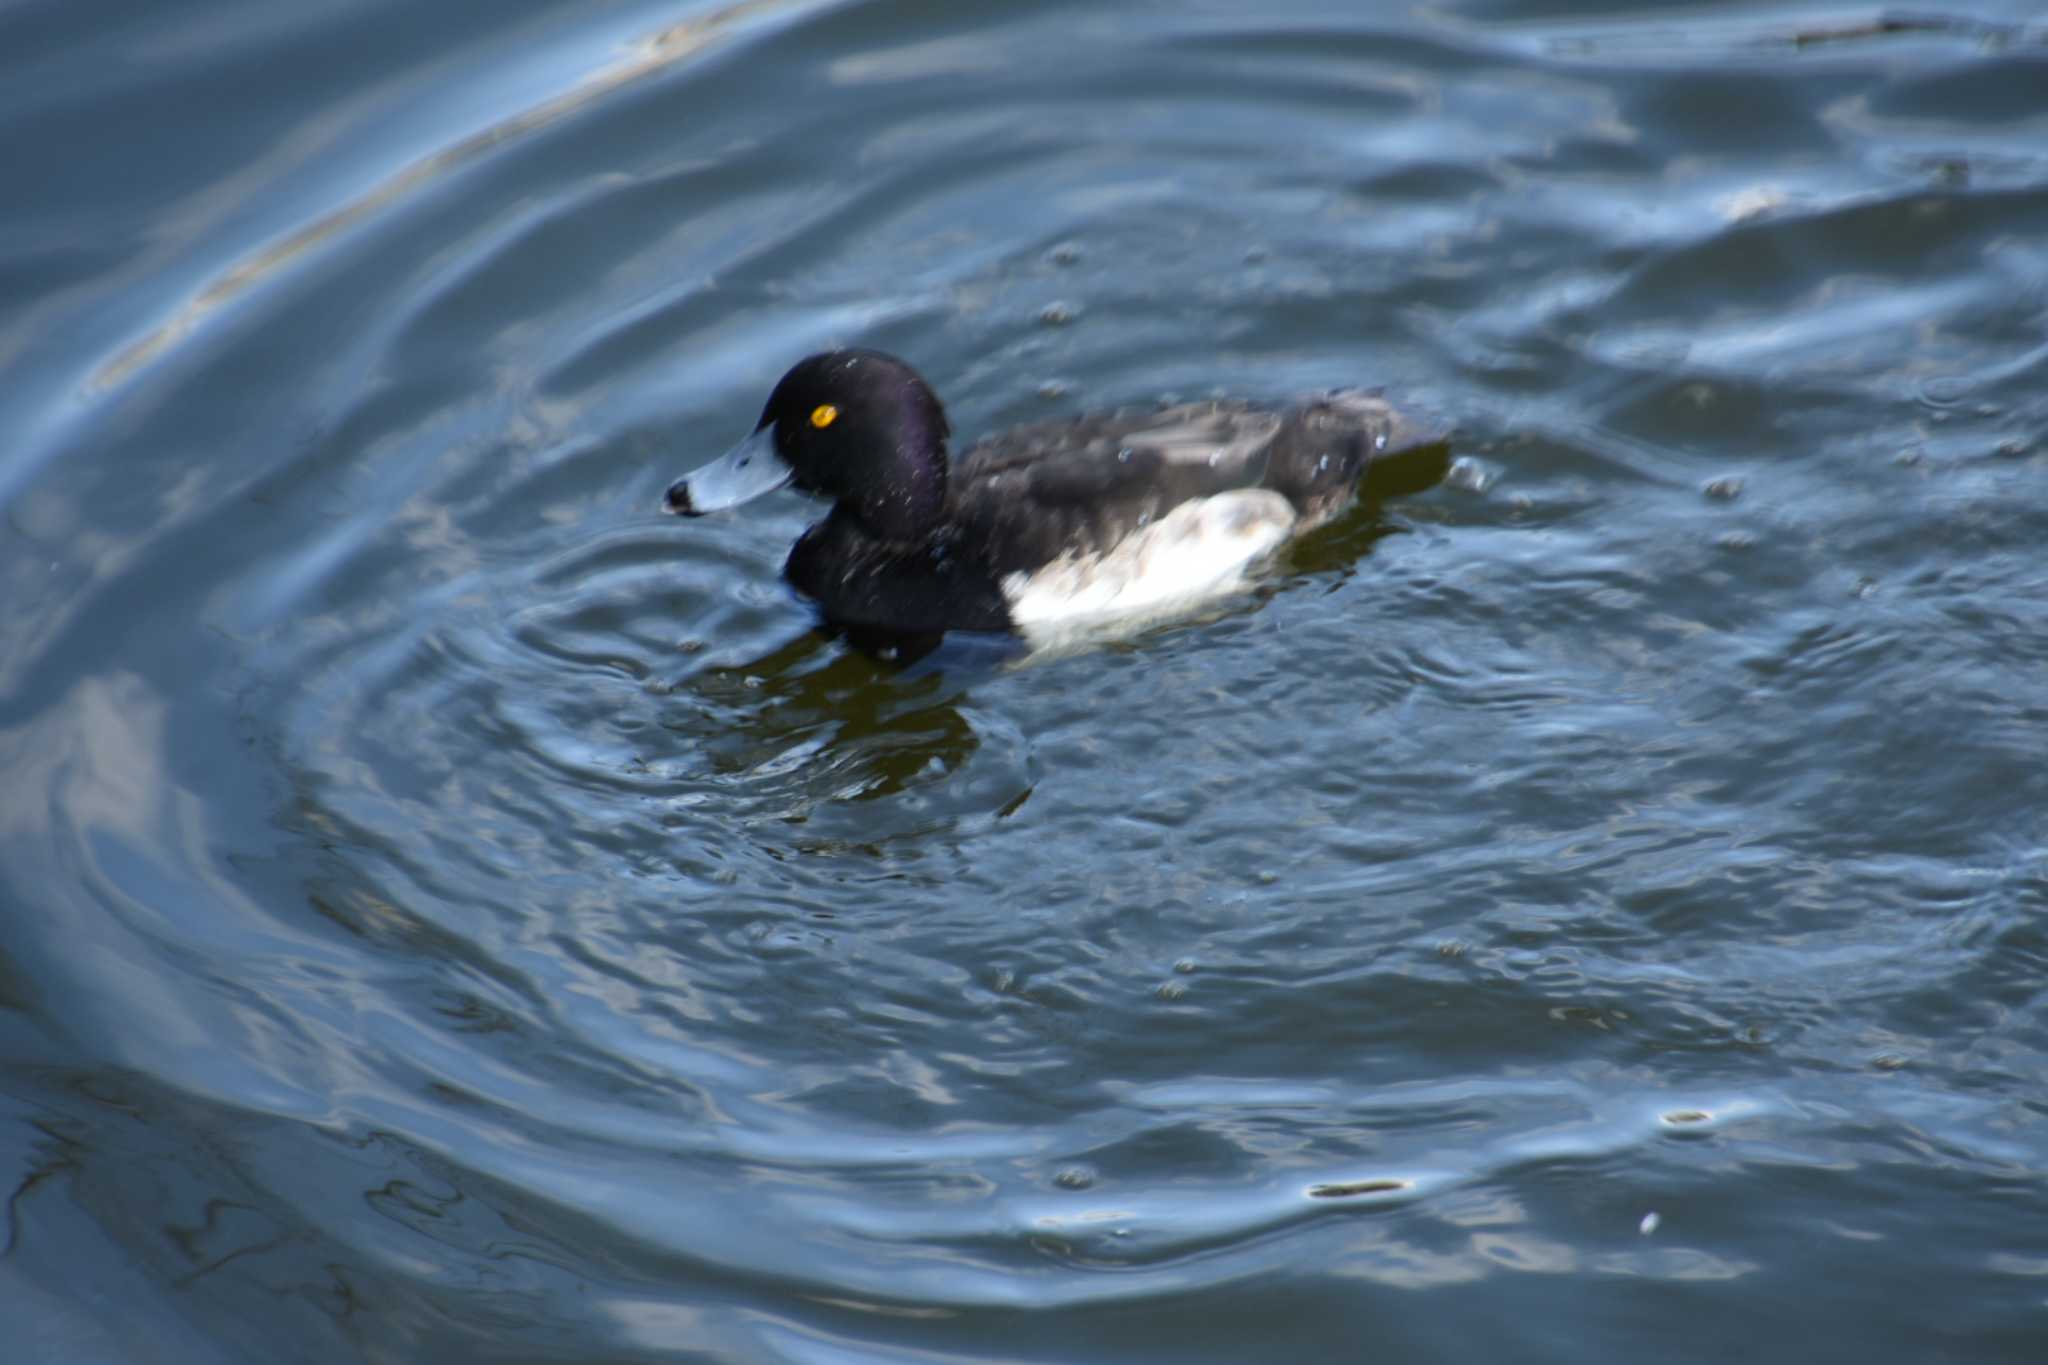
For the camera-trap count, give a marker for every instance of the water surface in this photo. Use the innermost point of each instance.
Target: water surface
(1590, 910)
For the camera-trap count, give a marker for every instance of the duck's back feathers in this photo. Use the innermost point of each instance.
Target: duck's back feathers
(1078, 488)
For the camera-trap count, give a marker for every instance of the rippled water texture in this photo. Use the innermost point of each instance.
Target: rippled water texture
(1593, 909)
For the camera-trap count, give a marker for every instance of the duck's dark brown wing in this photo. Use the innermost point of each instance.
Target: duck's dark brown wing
(1079, 487)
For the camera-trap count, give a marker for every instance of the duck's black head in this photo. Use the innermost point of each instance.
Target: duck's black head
(858, 426)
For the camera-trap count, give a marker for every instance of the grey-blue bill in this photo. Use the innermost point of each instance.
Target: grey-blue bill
(747, 471)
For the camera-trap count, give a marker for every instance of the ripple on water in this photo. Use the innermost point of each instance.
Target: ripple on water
(475, 896)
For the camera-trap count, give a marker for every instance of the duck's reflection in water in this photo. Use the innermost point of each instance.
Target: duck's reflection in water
(813, 721)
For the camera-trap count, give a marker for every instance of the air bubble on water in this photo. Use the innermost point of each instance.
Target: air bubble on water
(1470, 475)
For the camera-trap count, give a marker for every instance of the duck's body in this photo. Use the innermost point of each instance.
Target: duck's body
(1045, 527)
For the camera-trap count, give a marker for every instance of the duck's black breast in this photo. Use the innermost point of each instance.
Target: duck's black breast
(857, 579)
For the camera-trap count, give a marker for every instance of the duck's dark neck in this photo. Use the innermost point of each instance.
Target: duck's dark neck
(908, 501)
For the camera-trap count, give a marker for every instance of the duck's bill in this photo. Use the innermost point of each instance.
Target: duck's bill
(742, 474)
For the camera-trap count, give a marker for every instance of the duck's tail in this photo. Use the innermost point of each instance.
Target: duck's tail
(1352, 443)
(1411, 453)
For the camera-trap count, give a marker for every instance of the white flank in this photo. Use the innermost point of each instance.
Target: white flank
(1199, 551)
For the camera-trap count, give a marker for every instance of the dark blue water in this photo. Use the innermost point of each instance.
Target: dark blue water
(1594, 909)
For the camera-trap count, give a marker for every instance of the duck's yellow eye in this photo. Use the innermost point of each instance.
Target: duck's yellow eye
(824, 415)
